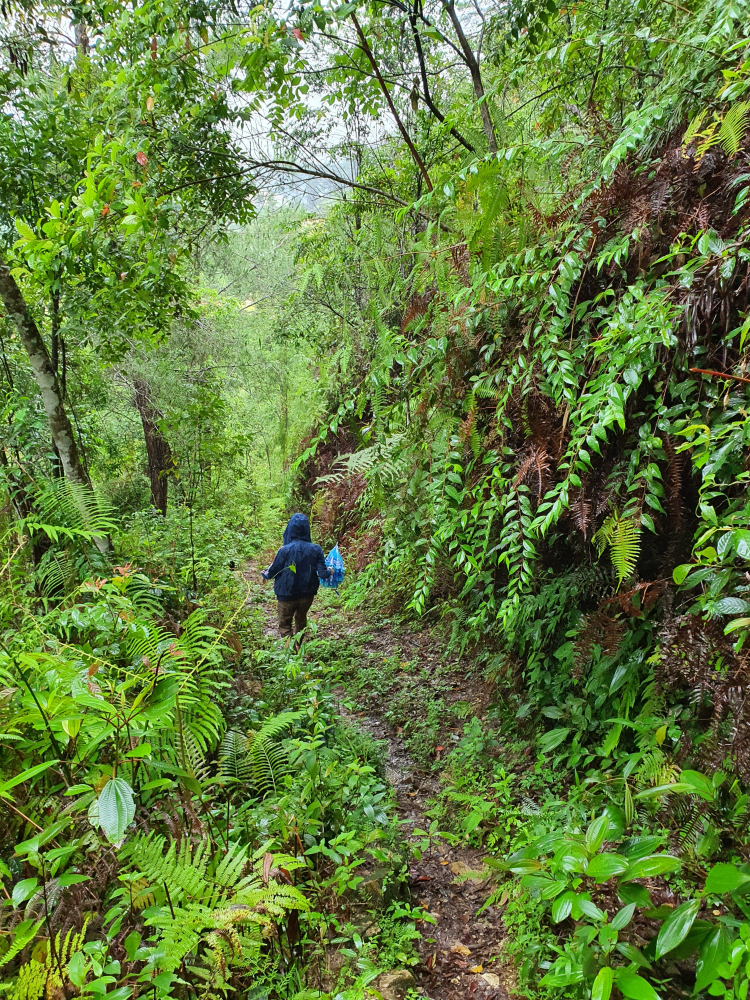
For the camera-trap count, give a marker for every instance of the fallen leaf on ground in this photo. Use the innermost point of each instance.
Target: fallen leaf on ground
(491, 979)
(475, 968)
(459, 868)
(460, 949)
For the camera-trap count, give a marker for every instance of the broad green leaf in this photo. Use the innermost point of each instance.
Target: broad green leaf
(632, 892)
(639, 847)
(731, 606)
(724, 877)
(617, 821)
(562, 978)
(651, 793)
(633, 986)
(77, 789)
(23, 890)
(654, 864)
(77, 969)
(552, 739)
(116, 809)
(633, 954)
(596, 833)
(562, 907)
(525, 865)
(472, 821)
(623, 917)
(713, 951)
(676, 926)
(605, 866)
(553, 889)
(142, 750)
(72, 879)
(737, 624)
(700, 784)
(591, 909)
(34, 845)
(26, 775)
(602, 988)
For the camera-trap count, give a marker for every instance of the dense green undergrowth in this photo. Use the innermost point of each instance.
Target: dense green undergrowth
(192, 794)
(507, 372)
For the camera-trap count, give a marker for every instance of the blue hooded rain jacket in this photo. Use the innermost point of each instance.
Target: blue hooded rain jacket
(298, 563)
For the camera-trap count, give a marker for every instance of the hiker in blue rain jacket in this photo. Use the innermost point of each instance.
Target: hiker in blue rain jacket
(295, 573)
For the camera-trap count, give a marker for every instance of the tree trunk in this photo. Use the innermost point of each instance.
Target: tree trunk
(476, 75)
(60, 427)
(46, 378)
(160, 464)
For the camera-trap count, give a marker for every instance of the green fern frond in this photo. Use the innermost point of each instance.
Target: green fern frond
(733, 127)
(694, 127)
(38, 979)
(258, 758)
(486, 387)
(191, 754)
(656, 769)
(217, 903)
(68, 509)
(623, 536)
(233, 762)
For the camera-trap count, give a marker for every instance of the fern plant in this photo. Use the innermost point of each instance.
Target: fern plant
(727, 130)
(188, 670)
(204, 897)
(69, 510)
(623, 536)
(49, 976)
(257, 758)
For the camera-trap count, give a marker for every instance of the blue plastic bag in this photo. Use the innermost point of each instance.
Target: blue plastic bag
(336, 563)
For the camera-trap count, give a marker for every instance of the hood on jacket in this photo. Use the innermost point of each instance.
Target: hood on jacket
(297, 530)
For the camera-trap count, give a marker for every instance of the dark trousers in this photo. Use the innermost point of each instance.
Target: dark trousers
(294, 612)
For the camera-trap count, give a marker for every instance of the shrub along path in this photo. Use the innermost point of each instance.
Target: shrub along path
(459, 952)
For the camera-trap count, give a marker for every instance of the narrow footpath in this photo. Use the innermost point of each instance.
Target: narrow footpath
(459, 952)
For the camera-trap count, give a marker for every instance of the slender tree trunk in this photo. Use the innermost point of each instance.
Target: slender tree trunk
(476, 76)
(46, 378)
(427, 96)
(82, 39)
(54, 357)
(386, 93)
(160, 464)
(63, 438)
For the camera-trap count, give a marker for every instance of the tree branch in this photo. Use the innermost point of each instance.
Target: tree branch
(476, 75)
(391, 105)
(289, 167)
(425, 83)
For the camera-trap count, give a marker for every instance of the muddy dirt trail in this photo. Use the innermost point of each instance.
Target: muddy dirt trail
(459, 951)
